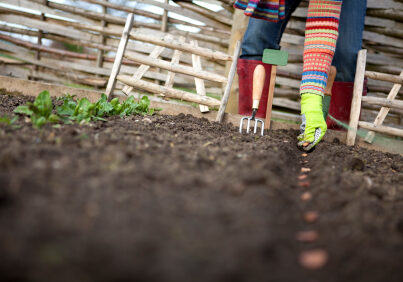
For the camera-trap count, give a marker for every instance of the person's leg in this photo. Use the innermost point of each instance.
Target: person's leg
(262, 34)
(352, 20)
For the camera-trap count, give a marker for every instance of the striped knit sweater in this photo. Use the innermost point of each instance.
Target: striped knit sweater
(321, 34)
(270, 10)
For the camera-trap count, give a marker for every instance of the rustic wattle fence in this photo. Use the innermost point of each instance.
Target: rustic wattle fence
(39, 40)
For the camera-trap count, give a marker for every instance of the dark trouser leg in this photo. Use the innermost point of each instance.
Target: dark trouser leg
(351, 27)
(262, 34)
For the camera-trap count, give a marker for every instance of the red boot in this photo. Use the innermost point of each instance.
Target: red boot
(245, 70)
(340, 103)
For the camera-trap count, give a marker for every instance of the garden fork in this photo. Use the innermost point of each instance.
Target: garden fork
(259, 75)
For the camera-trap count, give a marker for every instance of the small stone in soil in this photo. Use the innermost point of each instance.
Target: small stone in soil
(304, 155)
(302, 177)
(311, 216)
(307, 236)
(313, 259)
(304, 184)
(306, 196)
(305, 169)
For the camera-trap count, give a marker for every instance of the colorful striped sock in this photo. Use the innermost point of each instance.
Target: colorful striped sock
(321, 32)
(270, 10)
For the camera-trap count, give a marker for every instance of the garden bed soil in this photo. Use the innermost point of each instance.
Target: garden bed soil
(177, 198)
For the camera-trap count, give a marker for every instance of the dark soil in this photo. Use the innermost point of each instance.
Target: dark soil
(176, 198)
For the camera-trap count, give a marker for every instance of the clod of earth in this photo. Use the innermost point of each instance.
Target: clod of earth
(313, 259)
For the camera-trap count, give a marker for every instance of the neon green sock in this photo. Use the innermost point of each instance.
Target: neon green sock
(313, 126)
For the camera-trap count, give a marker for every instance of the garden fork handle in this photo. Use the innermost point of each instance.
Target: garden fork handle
(259, 75)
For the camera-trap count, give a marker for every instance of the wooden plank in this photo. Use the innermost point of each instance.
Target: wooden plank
(270, 97)
(207, 13)
(381, 129)
(185, 12)
(185, 47)
(174, 67)
(175, 60)
(143, 69)
(169, 92)
(357, 94)
(45, 26)
(39, 6)
(200, 89)
(384, 77)
(231, 75)
(119, 56)
(383, 112)
(383, 102)
(136, 35)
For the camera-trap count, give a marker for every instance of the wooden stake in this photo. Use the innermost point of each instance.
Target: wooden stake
(119, 56)
(231, 75)
(357, 94)
(164, 21)
(200, 89)
(270, 96)
(383, 112)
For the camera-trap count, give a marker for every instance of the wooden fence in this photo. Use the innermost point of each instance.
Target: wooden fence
(33, 42)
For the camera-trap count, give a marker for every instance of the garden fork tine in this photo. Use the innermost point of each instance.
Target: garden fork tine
(259, 75)
(257, 120)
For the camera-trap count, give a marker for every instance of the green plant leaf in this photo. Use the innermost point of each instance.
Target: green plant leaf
(68, 107)
(43, 104)
(38, 121)
(23, 110)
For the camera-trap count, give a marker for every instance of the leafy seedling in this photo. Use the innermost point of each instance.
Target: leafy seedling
(40, 111)
(82, 110)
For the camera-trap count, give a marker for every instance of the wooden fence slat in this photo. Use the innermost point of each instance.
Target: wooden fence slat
(143, 68)
(381, 129)
(383, 102)
(175, 60)
(200, 89)
(383, 112)
(169, 92)
(174, 67)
